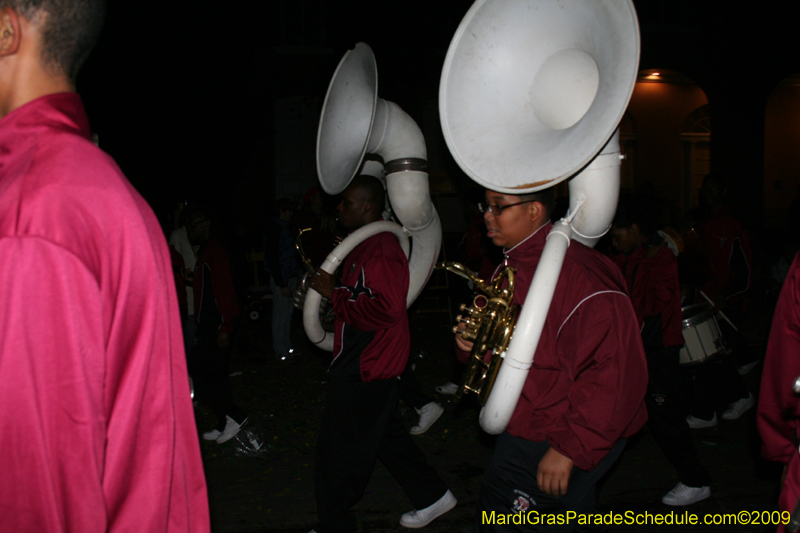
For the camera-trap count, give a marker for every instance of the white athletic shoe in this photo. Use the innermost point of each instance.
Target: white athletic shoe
(423, 517)
(230, 431)
(685, 495)
(448, 389)
(697, 423)
(739, 407)
(428, 415)
(212, 435)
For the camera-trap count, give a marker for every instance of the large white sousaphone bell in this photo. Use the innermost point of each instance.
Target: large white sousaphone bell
(531, 94)
(355, 122)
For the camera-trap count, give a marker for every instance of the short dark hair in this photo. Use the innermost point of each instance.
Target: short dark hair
(70, 29)
(546, 197)
(373, 188)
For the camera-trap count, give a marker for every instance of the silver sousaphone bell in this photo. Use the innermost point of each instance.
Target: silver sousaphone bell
(355, 122)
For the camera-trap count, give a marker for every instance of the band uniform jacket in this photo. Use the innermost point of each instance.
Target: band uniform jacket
(215, 302)
(586, 388)
(656, 295)
(371, 339)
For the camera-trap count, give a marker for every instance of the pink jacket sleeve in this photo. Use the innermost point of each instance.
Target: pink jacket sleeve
(778, 405)
(96, 440)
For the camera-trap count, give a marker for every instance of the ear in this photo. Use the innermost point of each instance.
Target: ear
(368, 207)
(536, 211)
(10, 32)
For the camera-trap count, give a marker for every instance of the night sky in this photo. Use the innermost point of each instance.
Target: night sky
(182, 96)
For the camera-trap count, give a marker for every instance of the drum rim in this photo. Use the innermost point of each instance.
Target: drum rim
(694, 320)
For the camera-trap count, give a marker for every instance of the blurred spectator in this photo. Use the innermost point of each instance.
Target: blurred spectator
(179, 242)
(215, 309)
(179, 273)
(651, 272)
(717, 385)
(283, 264)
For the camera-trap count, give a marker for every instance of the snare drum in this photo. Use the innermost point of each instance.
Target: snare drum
(701, 334)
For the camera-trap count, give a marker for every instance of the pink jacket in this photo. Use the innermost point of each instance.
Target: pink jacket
(97, 422)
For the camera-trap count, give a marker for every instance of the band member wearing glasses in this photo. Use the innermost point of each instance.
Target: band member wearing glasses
(96, 418)
(361, 422)
(584, 394)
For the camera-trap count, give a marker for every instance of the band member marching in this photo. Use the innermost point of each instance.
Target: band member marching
(585, 393)
(361, 422)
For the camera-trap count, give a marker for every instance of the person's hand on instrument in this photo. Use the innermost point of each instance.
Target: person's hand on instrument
(323, 283)
(461, 343)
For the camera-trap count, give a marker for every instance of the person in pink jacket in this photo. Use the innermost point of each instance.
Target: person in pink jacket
(778, 413)
(96, 417)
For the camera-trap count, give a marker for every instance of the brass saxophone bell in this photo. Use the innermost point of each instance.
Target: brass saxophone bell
(488, 324)
(299, 297)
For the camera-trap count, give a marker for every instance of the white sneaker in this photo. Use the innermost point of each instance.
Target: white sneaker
(429, 414)
(685, 495)
(745, 369)
(423, 517)
(697, 423)
(739, 407)
(212, 435)
(230, 431)
(447, 389)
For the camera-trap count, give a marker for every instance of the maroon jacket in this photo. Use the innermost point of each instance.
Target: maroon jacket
(371, 340)
(215, 303)
(730, 256)
(656, 295)
(586, 388)
(778, 417)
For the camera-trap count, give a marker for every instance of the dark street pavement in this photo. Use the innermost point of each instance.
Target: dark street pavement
(275, 493)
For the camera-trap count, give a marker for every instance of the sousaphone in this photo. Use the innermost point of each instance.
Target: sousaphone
(354, 122)
(531, 95)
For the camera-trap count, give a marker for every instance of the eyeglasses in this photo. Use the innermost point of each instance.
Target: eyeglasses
(497, 210)
(196, 223)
